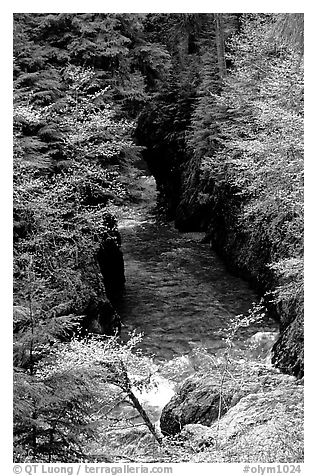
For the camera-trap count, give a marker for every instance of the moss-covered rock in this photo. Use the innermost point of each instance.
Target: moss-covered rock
(197, 401)
(265, 426)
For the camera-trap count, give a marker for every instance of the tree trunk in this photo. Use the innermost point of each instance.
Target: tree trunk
(137, 405)
(220, 44)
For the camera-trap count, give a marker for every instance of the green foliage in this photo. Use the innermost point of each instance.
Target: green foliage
(251, 144)
(60, 222)
(72, 393)
(289, 29)
(113, 45)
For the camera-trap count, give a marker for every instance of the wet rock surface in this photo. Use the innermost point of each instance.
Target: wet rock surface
(111, 263)
(101, 317)
(106, 281)
(197, 401)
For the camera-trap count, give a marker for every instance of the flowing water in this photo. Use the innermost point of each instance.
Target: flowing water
(178, 292)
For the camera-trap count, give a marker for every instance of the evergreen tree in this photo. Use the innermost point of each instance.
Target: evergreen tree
(74, 392)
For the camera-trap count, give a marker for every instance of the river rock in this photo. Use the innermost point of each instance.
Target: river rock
(197, 401)
(263, 426)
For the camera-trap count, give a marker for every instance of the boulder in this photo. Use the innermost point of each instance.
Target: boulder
(197, 401)
(265, 426)
(101, 317)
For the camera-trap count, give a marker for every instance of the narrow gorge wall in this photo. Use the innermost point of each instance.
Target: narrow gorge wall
(100, 314)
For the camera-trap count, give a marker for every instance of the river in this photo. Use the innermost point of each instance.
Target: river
(178, 293)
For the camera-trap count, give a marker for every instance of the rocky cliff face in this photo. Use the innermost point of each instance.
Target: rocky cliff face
(111, 264)
(288, 351)
(106, 279)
